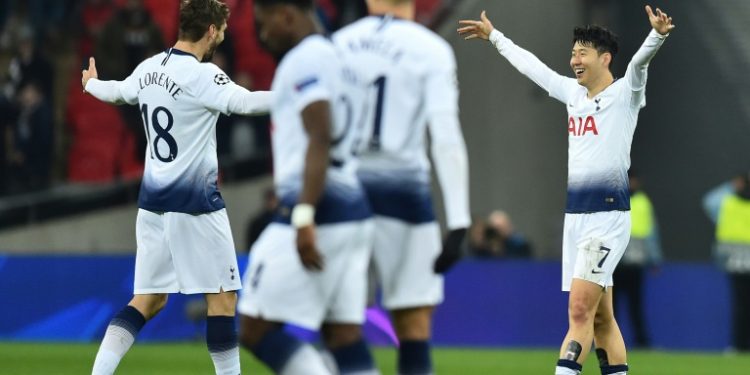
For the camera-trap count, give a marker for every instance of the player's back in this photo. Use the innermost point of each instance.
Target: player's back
(180, 100)
(410, 73)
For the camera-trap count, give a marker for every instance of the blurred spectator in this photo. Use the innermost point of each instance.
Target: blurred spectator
(348, 11)
(30, 141)
(262, 218)
(643, 252)
(496, 237)
(728, 205)
(129, 37)
(6, 120)
(94, 16)
(28, 64)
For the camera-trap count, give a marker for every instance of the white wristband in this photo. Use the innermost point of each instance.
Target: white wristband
(303, 215)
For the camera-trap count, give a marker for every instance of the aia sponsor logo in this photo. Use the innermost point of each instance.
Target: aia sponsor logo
(582, 126)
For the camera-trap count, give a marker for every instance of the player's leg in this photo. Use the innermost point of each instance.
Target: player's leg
(123, 329)
(277, 289)
(348, 348)
(610, 347)
(403, 256)
(582, 305)
(221, 332)
(205, 262)
(348, 247)
(414, 330)
(279, 350)
(154, 277)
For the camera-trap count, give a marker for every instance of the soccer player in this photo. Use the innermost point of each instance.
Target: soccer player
(182, 232)
(602, 115)
(410, 74)
(309, 266)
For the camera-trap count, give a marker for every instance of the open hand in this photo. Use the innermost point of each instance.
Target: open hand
(89, 73)
(476, 29)
(659, 21)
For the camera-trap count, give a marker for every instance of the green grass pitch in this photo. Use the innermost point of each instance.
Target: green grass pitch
(192, 358)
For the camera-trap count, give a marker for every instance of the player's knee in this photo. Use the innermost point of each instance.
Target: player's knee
(252, 331)
(413, 324)
(580, 313)
(341, 335)
(149, 304)
(602, 320)
(222, 304)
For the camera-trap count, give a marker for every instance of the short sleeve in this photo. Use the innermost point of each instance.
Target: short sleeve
(308, 81)
(215, 88)
(441, 83)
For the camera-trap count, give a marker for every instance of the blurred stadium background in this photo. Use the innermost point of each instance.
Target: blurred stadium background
(70, 169)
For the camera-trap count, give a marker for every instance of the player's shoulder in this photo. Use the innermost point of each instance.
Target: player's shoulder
(313, 52)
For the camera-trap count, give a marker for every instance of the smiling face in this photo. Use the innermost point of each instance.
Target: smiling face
(588, 64)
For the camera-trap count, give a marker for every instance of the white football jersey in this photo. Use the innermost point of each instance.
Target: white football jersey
(600, 129)
(310, 72)
(410, 76)
(180, 100)
(411, 73)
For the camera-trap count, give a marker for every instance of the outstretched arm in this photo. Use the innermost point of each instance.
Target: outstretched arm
(524, 61)
(637, 71)
(246, 102)
(106, 91)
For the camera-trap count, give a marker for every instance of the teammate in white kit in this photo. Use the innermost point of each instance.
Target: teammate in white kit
(410, 73)
(183, 236)
(602, 115)
(309, 266)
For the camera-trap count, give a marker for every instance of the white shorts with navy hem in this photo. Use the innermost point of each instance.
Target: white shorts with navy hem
(593, 244)
(403, 256)
(185, 253)
(278, 288)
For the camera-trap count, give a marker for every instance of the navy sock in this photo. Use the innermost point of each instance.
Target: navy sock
(573, 365)
(221, 335)
(130, 319)
(606, 370)
(354, 357)
(275, 349)
(414, 357)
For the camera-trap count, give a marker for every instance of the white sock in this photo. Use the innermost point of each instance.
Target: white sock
(559, 370)
(227, 362)
(305, 361)
(117, 341)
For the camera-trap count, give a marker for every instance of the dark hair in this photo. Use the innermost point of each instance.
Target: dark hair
(597, 37)
(302, 4)
(197, 15)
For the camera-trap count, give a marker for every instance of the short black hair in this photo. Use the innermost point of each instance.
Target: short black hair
(197, 15)
(596, 37)
(302, 4)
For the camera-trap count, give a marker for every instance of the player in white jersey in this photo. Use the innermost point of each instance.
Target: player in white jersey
(309, 266)
(602, 115)
(410, 73)
(183, 236)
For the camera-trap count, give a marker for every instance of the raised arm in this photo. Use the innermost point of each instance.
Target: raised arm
(106, 91)
(524, 61)
(637, 71)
